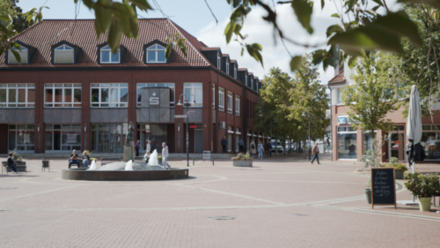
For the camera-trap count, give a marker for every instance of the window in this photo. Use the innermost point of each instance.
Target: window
(230, 103)
(23, 56)
(156, 54)
(235, 72)
(219, 61)
(107, 57)
(251, 83)
(21, 138)
(62, 95)
(213, 96)
(17, 95)
(227, 66)
(195, 89)
(237, 105)
(221, 99)
(109, 137)
(347, 146)
(431, 141)
(63, 55)
(245, 80)
(153, 85)
(339, 98)
(109, 95)
(62, 137)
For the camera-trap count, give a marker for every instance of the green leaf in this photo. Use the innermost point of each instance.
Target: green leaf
(400, 23)
(295, 62)
(114, 36)
(335, 15)
(168, 51)
(142, 4)
(229, 30)
(103, 20)
(17, 56)
(433, 3)
(303, 11)
(334, 29)
(322, 4)
(5, 18)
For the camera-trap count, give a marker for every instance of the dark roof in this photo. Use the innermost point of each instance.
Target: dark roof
(338, 78)
(82, 34)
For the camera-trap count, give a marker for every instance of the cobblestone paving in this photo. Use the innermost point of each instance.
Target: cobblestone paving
(280, 202)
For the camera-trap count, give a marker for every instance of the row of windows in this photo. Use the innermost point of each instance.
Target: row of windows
(221, 101)
(64, 54)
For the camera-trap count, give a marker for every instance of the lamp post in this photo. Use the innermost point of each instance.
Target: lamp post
(186, 104)
(310, 142)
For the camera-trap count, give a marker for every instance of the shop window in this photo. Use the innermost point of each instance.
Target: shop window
(155, 133)
(64, 55)
(108, 57)
(221, 99)
(230, 103)
(108, 137)
(154, 85)
(347, 146)
(21, 138)
(156, 54)
(109, 95)
(61, 137)
(431, 142)
(23, 53)
(196, 89)
(17, 95)
(62, 95)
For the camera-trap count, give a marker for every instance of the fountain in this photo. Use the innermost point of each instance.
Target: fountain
(126, 171)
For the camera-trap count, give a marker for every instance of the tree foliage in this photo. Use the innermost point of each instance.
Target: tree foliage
(374, 93)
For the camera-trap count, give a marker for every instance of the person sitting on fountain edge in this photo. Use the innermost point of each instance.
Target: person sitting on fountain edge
(73, 159)
(147, 157)
(85, 159)
(165, 156)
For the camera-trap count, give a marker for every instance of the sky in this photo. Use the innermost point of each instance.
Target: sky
(195, 17)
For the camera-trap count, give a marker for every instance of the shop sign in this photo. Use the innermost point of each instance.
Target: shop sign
(196, 126)
(342, 120)
(154, 100)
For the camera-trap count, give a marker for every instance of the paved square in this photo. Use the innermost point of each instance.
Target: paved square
(280, 202)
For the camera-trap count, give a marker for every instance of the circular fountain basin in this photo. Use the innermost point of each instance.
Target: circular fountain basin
(116, 172)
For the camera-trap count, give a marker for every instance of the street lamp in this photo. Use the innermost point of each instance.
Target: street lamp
(310, 142)
(186, 103)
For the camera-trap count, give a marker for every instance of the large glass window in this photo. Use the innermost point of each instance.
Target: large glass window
(109, 137)
(156, 54)
(195, 89)
(153, 85)
(109, 95)
(108, 57)
(62, 95)
(431, 141)
(62, 137)
(17, 95)
(21, 138)
(347, 143)
(221, 99)
(23, 56)
(237, 105)
(155, 133)
(230, 103)
(63, 55)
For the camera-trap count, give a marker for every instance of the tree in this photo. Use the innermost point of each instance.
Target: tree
(308, 97)
(373, 95)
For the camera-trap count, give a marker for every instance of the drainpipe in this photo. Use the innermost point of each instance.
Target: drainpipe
(331, 123)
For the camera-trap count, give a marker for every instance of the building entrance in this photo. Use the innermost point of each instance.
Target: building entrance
(198, 141)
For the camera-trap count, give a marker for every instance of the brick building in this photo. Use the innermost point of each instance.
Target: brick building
(350, 144)
(72, 92)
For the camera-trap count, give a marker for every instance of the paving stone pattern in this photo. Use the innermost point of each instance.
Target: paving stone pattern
(280, 202)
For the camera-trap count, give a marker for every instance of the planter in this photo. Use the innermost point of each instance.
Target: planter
(425, 203)
(242, 163)
(368, 195)
(399, 174)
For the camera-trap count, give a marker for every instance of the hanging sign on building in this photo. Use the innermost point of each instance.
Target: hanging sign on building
(196, 126)
(154, 100)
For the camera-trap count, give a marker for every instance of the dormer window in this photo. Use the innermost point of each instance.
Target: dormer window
(252, 83)
(108, 57)
(219, 61)
(235, 72)
(245, 79)
(227, 66)
(64, 55)
(156, 54)
(23, 56)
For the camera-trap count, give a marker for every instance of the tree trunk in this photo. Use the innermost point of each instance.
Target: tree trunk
(305, 145)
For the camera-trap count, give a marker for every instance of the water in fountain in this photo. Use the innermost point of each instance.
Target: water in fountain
(129, 165)
(93, 165)
(153, 159)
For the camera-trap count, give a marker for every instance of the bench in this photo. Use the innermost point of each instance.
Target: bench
(105, 161)
(21, 166)
(80, 163)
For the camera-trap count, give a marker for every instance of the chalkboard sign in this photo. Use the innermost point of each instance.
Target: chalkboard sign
(383, 187)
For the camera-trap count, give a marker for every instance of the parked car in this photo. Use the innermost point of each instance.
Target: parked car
(277, 148)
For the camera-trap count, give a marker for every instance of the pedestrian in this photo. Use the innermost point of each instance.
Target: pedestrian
(73, 158)
(315, 152)
(86, 159)
(137, 147)
(269, 149)
(253, 149)
(11, 163)
(224, 143)
(241, 146)
(165, 156)
(260, 150)
(148, 147)
(147, 157)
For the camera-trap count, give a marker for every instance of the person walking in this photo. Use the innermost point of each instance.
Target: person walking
(148, 149)
(137, 147)
(260, 150)
(224, 143)
(315, 153)
(11, 163)
(253, 149)
(269, 149)
(165, 156)
(73, 159)
(86, 159)
(241, 146)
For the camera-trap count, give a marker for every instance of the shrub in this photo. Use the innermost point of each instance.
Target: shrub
(422, 185)
(90, 154)
(16, 156)
(240, 156)
(394, 163)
